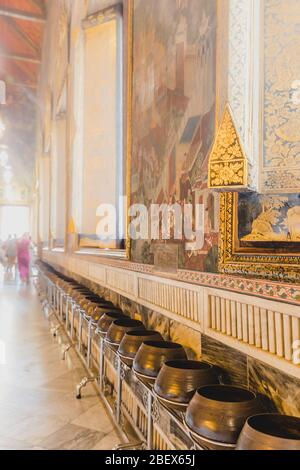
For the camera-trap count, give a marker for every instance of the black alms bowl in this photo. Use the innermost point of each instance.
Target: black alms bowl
(177, 381)
(132, 341)
(152, 355)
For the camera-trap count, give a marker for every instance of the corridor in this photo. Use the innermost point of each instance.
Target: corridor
(150, 200)
(38, 408)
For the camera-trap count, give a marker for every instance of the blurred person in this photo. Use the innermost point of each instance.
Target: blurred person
(32, 256)
(23, 254)
(11, 253)
(2, 254)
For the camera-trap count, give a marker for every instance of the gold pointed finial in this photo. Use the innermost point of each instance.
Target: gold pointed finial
(228, 164)
(71, 226)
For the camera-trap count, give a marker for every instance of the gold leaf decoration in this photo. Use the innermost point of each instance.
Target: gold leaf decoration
(228, 164)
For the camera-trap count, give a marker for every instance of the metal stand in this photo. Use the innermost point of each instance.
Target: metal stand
(54, 298)
(82, 384)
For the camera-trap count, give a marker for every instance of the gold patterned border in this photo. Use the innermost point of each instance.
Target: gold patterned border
(284, 267)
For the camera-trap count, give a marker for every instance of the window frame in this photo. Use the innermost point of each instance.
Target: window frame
(124, 10)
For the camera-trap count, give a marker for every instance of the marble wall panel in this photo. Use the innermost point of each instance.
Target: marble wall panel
(280, 390)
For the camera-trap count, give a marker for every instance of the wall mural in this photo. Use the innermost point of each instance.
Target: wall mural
(281, 160)
(269, 221)
(174, 107)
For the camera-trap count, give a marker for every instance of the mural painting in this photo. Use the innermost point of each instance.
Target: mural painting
(174, 106)
(269, 221)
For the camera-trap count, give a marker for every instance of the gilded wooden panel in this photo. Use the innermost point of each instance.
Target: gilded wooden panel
(271, 247)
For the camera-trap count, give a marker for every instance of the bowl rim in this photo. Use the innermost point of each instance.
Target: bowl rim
(206, 365)
(163, 345)
(111, 343)
(172, 402)
(140, 330)
(122, 356)
(265, 433)
(252, 395)
(131, 322)
(111, 311)
(205, 439)
(144, 376)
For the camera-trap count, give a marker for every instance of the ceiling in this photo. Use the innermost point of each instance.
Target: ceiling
(22, 24)
(21, 34)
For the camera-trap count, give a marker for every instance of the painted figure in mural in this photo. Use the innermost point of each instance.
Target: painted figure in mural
(24, 257)
(275, 218)
(293, 222)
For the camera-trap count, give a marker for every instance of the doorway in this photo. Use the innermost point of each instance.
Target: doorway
(14, 220)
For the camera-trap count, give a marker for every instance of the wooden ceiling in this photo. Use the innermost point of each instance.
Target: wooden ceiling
(21, 35)
(22, 23)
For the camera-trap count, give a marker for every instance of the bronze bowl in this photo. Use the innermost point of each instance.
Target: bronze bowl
(270, 432)
(79, 291)
(84, 303)
(177, 382)
(95, 312)
(217, 414)
(131, 342)
(119, 328)
(93, 299)
(106, 318)
(91, 307)
(152, 355)
(78, 294)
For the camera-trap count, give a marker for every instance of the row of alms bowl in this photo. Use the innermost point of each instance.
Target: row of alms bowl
(264, 431)
(219, 417)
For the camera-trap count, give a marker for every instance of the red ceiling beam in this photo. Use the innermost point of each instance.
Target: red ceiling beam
(16, 29)
(19, 57)
(40, 4)
(21, 15)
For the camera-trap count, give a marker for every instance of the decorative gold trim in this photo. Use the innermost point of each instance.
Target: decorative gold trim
(228, 164)
(129, 119)
(283, 267)
(102, 16)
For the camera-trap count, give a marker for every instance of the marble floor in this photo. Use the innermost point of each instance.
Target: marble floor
(38, 408)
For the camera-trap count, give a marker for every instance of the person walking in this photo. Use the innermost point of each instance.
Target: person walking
(23, 253)
(11, 253)
(3, 259)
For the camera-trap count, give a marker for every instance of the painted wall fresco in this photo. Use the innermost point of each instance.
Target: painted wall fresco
(174, 105)
(281, 161)
(269, 221)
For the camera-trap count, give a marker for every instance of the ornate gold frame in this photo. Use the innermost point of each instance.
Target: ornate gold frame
(285, 267)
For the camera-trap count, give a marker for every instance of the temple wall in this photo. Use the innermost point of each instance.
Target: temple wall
(235, 301)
